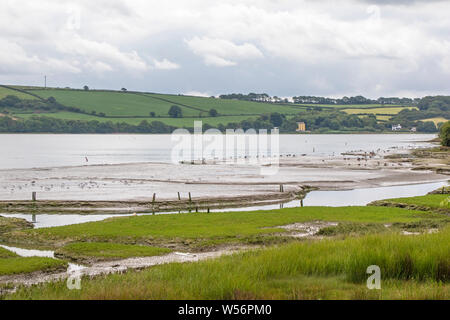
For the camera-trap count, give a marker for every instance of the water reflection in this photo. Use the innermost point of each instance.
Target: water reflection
(357, 197)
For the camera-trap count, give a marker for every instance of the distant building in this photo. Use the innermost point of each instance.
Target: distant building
(413, 129)
(396, 127)
(301, 127)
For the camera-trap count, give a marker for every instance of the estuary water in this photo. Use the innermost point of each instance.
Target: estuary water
(47, 150)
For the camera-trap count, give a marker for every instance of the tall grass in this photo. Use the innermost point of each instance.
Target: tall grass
(411, 267)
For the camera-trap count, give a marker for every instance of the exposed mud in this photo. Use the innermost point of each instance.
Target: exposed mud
(121, 207)
(102, 268)
(304, 230)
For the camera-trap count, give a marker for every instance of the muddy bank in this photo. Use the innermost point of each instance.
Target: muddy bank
(102, 268)
(12, 224)
(158, 187)
(409, 206)
(121, 207)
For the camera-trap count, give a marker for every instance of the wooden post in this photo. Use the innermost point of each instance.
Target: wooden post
(33, 196)
(196, 209)
(281, 188)
(179, 196)
(301, 203)
(208, 210)
(154, 198)
(190, 197)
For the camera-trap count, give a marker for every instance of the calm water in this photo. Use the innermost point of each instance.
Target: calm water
(34, 151)
(357, 197)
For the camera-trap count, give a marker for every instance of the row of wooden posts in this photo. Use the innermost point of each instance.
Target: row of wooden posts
(33, 195)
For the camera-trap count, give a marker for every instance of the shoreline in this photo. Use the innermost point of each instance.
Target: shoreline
(104, 189)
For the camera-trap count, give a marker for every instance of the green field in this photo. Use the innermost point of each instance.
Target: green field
(229, 107)
(4, 92)
(176, 122)
(376, 111)
(112, 103)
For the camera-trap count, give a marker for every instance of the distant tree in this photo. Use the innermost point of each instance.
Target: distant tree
(51, 100)
(276, 119)
(213, 113)
(152, 114)
(175, 112)
(427, 126)
(445, 134)
(86, 88)
(124, 89)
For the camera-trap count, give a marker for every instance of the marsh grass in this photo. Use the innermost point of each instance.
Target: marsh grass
(4, 253)
(107, 251)
(203, 229)
(412, 267)
(431, 201)
(18, 265)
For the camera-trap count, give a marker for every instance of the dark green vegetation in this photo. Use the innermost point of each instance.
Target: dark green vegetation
(445, 134)
(85, 251)
(98, 111)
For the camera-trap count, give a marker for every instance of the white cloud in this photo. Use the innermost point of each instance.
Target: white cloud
(294, 46)
(197, 94)
(165, 64)
(222, 53)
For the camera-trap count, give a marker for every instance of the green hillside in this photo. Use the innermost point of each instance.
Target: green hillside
(115, 104)
(4, 92)
(59, 110)
(228, 107)
(176, 122)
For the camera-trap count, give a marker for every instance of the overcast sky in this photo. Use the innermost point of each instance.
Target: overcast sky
(282, 47)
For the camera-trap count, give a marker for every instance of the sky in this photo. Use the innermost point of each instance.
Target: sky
(204, 47)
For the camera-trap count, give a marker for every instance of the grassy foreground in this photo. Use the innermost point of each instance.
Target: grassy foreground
(411, 268)
(210, 229)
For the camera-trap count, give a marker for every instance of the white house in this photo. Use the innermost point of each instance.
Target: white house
(396, 127)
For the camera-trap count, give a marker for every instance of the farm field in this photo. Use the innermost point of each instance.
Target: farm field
(347, 106)
(376, 111)
(229, 107)
(436, 120)
(112, 103)
(176, 122)
(4, 92)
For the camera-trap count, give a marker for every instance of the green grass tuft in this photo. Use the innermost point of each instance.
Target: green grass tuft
(107, 251)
